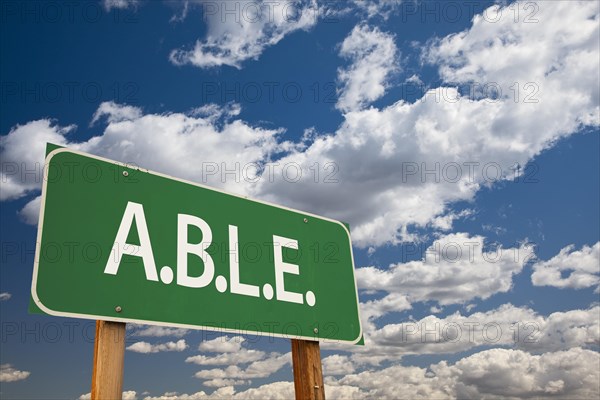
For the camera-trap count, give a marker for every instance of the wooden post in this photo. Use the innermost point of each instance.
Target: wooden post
(109, 354)
(308, 376)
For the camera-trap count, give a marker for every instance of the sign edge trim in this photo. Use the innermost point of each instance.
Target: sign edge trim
(49, 311)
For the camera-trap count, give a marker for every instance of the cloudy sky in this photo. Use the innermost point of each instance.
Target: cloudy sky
(458, 139)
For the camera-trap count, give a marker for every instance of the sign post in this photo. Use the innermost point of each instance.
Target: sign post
(122, 244)
(109, 354)
(308, 375)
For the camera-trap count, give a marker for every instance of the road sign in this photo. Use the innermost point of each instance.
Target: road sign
(125, 244)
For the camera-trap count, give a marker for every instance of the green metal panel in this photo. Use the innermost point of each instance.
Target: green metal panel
(84, 201)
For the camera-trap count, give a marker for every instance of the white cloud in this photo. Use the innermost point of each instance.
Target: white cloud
(415, 80)
(22, 153)
(373, 309)
(381, 196)
(242, 30)
(505, 326)
(508, 325)
(186, 145)
(116, 112)
(549, 49)
(269, 391)
(119, 4)
(337, 365)
(562, 330)
(9, 374)
(373, 56)
(214, 111)
(257, 369)
(183, 145)
(490, 374)
(456, 268)
(512, 373)
(157, 331)
(232, 354)
(182, 396)
(582, 266)
(145, 347)
(129, 395)
(4, 296)
(382, 156)
(223, 344)
(377, 8)
(224, 382)
(30, 214)
(126, 395)
(387, 383)
(435, 310)
(242, 356)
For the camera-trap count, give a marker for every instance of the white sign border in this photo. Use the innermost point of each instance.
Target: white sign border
(176, 325)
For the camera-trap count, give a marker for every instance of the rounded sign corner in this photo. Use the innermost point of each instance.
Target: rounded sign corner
(39, 304)
(54, 152)
(345, 229)
(360, 334)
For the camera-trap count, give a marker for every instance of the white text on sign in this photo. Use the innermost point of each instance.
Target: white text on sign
(135, 212)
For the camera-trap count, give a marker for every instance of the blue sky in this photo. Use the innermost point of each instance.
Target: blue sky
(445, 125)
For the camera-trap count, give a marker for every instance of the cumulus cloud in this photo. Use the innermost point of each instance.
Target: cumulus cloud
(145, 347)
(435, 310)
(231, 354)
(495, 373)
(30, 214)
(373, 56)
(377, 8)
(242, 356)
(242, 30)
(126, 395)
(416, 159)
(373, 309)
(181, 144)
(224, 382)
(456, 268)
(500, 373)
(223, 344)
(257, 369)
(114, 112)
(9, 374)
(337, 365)
(119, 4)
(22, 153)
(507, 325)
(575, 269)
(269, 391)
(4, 296)
(497, 49)
(156, 331)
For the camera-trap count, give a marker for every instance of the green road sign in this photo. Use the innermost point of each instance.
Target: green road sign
(125, 244)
